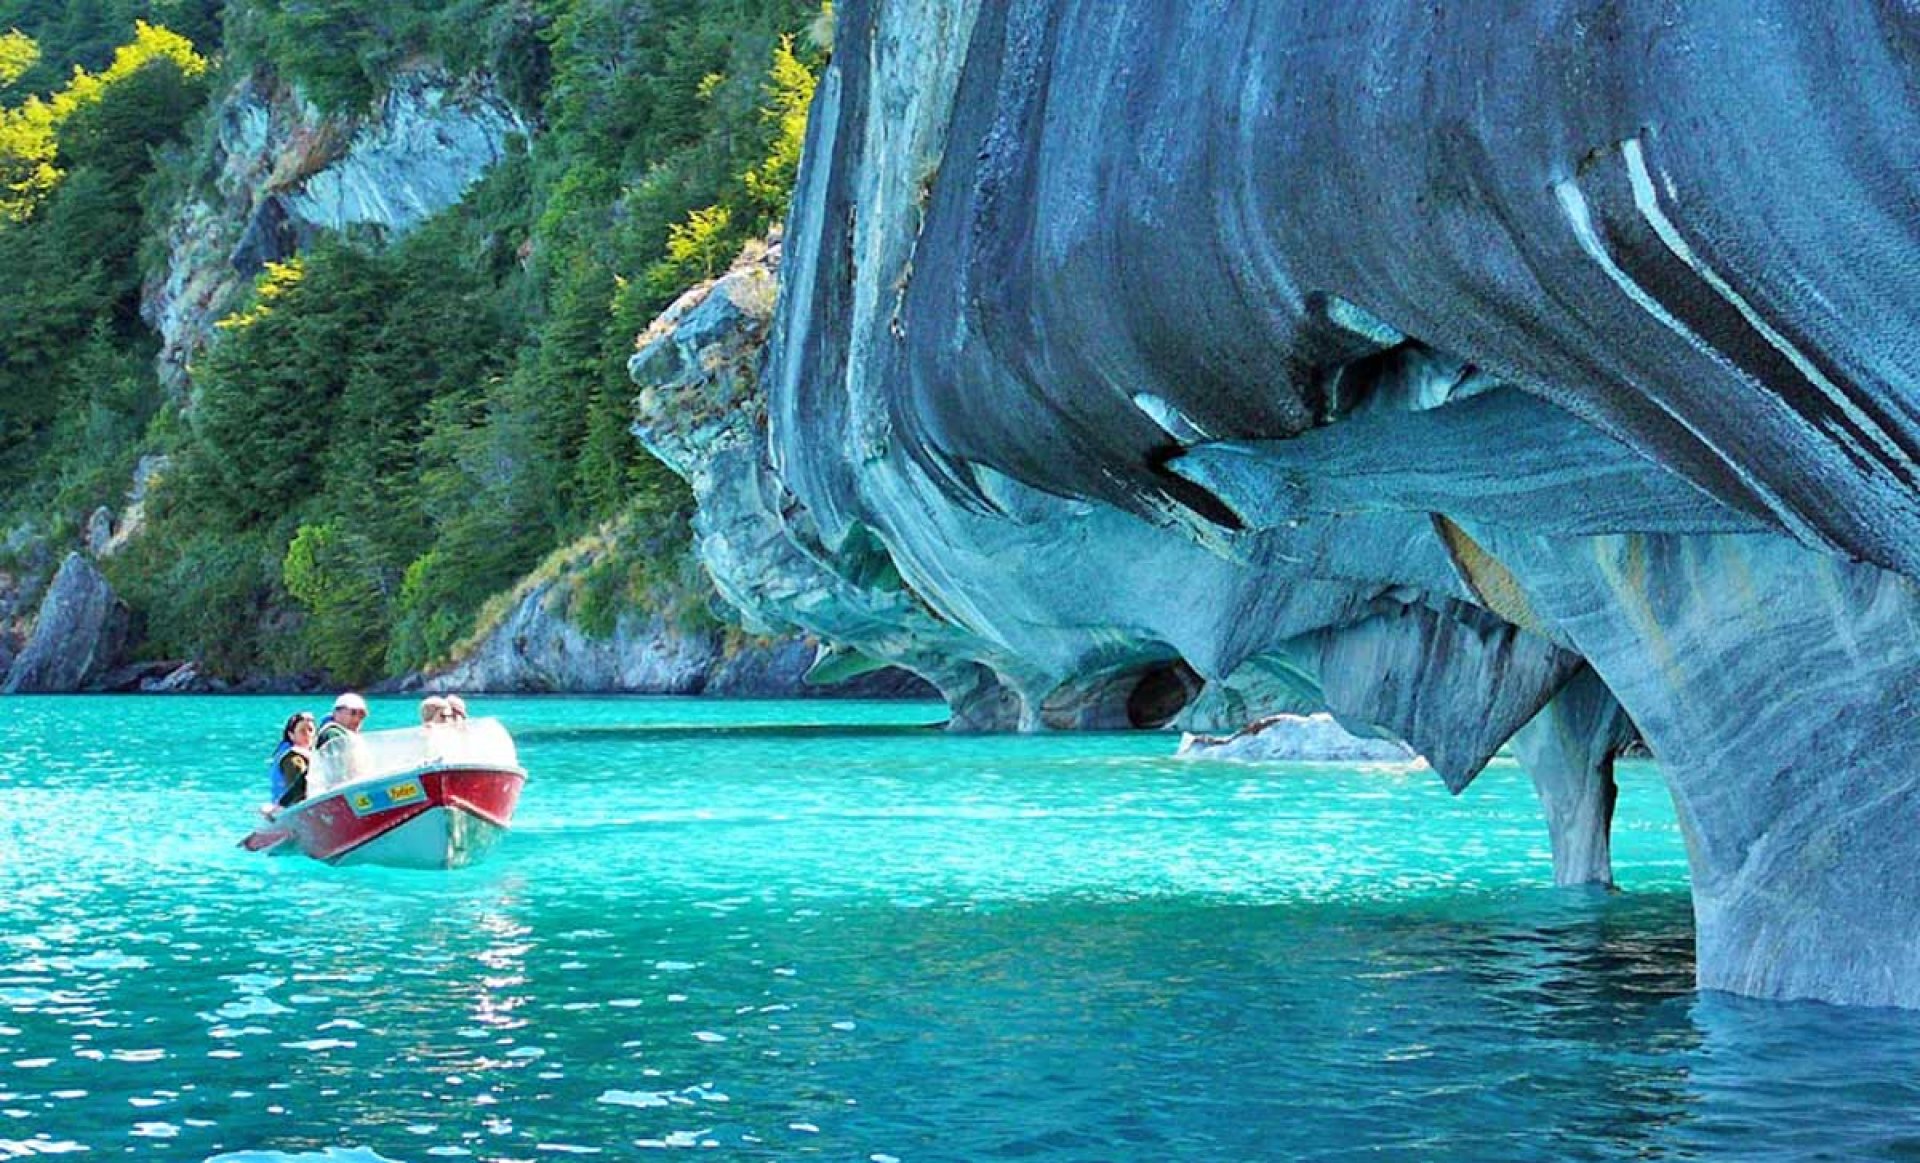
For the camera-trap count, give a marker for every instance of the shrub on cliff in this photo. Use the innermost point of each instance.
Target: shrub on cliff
(314, 407)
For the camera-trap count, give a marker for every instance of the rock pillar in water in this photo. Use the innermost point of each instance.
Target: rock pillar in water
(1779, 689)
(1568, 749)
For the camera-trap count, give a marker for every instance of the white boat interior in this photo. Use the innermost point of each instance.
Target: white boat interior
(378, 754)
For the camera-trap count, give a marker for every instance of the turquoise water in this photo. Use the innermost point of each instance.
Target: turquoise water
(817, 930)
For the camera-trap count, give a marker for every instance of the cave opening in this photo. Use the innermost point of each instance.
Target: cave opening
(1161, 693)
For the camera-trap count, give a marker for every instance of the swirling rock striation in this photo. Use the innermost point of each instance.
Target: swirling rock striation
(1460, 378)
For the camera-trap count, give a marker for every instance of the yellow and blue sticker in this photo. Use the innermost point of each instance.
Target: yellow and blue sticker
(392, 795)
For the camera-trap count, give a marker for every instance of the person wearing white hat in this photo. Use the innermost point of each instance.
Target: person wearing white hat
(349, 711)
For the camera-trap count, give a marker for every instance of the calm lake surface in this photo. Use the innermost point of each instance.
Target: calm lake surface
(785, 930)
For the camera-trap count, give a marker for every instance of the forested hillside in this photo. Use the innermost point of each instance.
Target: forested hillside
(387, 428)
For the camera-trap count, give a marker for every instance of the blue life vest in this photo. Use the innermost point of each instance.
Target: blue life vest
(279, 777)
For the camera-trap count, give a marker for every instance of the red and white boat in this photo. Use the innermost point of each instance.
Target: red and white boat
(422, 797)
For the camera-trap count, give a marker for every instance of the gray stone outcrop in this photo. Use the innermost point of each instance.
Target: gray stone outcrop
(538, 648)
(77, 635)
(133, 519)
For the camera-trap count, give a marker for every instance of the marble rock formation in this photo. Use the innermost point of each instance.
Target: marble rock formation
(1469, 381)
(77, 635)
(702, 412)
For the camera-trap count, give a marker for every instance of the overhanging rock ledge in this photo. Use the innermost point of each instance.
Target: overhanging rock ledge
(1393, 361)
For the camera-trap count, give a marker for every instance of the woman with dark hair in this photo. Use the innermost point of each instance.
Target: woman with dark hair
(292, 758)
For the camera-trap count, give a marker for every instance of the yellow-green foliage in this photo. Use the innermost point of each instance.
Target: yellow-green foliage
(789, 90)
(330, 571)
(276, 280)
(18, 53)
(704, 241)
(29, 133)
(27, 155)
(701, 242)
(436, 411)
(150, 43)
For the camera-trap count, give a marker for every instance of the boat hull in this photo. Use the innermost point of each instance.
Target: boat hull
(434, 818)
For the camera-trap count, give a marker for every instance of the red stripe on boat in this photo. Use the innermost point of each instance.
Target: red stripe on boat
(328, 828)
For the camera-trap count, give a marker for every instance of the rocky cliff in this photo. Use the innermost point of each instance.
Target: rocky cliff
(280, 174)
(1470, 382)
(540, 644)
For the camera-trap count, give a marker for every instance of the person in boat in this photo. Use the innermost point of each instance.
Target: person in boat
(338, 752)
(292, 759)
(434, 711)
(456, 709)
(349, 712)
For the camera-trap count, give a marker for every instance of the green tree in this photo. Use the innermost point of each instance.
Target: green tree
(28, 153)
(387, 432)
(335, 574)
(86, 33)
(108, 120)
(265, 421)
(71, 170)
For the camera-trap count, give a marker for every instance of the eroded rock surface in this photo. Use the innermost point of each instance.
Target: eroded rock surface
(1569, 749)
(542, 644)
(537, 648)
(1358, 358)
